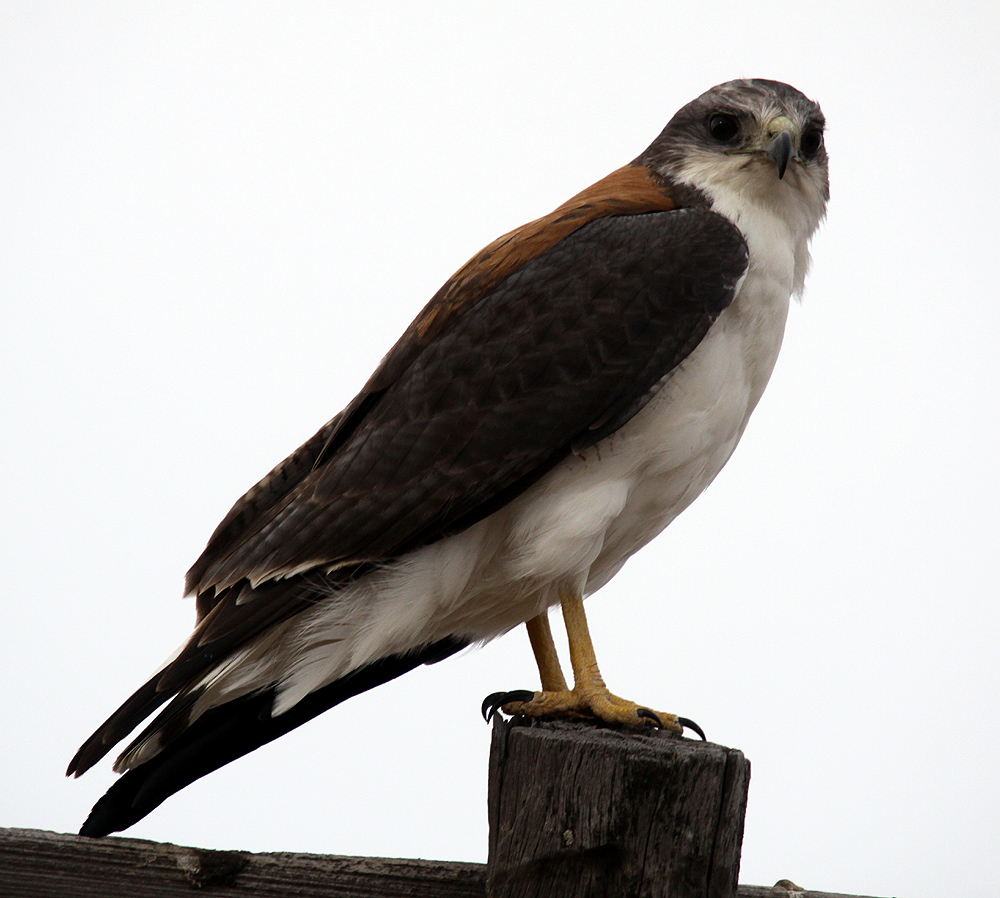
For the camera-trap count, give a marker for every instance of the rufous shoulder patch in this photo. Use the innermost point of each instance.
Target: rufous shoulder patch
(630, 190)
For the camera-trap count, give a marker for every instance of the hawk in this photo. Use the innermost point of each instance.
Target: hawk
(558, 402)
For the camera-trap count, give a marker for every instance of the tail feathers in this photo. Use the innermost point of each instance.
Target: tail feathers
(146, 699)
(161, 687)
(234, 729)
(162, 730)
(238, 615)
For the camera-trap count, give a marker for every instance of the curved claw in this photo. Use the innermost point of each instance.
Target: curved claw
(646, 714)
(691, 725)
(492, 703)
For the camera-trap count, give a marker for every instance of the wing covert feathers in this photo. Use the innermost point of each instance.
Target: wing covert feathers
(630, 190)
(580, 334)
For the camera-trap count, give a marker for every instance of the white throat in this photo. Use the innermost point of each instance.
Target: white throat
(776, 217)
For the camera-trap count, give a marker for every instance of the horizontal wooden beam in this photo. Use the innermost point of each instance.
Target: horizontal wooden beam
(783, 892)
(40, 864)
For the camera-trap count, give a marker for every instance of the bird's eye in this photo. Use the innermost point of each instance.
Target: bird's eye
(723, 127)
(812, 140)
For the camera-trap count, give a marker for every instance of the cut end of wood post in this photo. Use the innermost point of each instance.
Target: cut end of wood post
(581, 809)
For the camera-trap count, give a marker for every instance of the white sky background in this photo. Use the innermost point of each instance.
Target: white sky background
(216, 218)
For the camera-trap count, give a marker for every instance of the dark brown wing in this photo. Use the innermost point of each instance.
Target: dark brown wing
(576, 337)
(630, 190)
(261, 497)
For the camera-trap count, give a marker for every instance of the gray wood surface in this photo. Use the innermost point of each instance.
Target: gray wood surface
(36, 864)
(39, 864)
(775, 892)
(592, 811)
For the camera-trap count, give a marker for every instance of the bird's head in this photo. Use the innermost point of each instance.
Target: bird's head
(761, 141)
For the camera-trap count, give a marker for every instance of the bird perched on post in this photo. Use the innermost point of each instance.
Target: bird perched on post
(558, 402)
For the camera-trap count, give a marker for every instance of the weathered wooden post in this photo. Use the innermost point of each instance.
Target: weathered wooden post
(582, 810)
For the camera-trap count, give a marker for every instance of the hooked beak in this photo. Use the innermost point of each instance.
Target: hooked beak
(781, 149)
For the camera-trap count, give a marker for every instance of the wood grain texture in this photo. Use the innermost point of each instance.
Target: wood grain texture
(35, 864)
(778, 892)
(584, 810)
(39, 864)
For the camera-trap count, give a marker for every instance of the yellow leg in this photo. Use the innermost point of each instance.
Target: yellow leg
(582, 657)
(589, 696)
(549, 669)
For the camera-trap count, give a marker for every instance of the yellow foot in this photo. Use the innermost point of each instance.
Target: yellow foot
(578, 703)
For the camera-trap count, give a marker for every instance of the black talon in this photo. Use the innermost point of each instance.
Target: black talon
(691, 725)
(490, 705)
(646, 714)
(493, 703)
